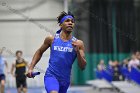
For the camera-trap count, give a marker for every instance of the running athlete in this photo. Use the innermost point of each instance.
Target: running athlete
(64, 49)
(3, 63)
(20, 70)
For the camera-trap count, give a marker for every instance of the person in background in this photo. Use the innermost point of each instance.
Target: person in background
(124, 68)
(20, 70)
(101, 66)
(117, 76)
(3, 63)
(110, 65)
(134, 62)
(138, 55)
(125, 63)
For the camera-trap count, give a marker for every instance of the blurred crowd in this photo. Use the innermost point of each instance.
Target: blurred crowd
(115, 66)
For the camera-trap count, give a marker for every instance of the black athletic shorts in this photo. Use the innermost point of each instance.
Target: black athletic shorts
(21, 81)
(2, 77)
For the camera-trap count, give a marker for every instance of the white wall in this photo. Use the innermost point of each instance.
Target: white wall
(27, 36)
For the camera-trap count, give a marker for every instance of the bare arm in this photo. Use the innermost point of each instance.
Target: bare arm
(6, 64)
(27, 65)
(40, 51)
(80, 54)
(6, 67)
(12, 69)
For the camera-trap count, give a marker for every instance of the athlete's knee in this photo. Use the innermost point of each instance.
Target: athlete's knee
(53, 91)
(19, 90)
(25, 90)
(2, 83)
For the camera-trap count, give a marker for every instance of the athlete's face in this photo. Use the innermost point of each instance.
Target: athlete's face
(133, 56)
(67, 25)
(19, 55)
(138, 55)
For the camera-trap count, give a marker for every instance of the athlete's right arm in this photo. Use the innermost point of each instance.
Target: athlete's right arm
(12, 69)
(39, 52)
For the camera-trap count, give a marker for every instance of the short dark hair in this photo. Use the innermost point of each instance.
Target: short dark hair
(62, 14)
(19, 51)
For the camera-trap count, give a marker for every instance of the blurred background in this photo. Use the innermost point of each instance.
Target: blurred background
(110, 30)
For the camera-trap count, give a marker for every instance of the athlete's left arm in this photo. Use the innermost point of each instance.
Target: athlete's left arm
(79, 47)
(6, 64)
(27, 64)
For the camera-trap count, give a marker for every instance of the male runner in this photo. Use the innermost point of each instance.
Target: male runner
(64, 49)
(20, 69)
(3, 63)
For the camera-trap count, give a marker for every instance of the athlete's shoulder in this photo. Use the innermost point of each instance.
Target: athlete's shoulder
(80, 41)
(3, 58)
(49, 39)
(81, 44)
(14, 63)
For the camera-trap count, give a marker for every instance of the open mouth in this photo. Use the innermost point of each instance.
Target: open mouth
(70, 27)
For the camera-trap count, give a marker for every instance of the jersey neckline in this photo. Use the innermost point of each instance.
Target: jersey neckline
(65, 41)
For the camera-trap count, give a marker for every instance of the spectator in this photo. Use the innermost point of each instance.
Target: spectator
(110, 64)
(117, 76)
(134, 62)
(125, 63)
(138, 55)
(101, 65)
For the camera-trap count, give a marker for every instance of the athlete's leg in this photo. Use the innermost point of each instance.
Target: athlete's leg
(53, 92)
(24, 90)
(63, 86)
(2, 83)
(24, 85)
(51, 84)
(2, 86)
(18, 84)
(19, 90)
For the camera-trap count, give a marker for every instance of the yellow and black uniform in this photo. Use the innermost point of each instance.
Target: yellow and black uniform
(20, 73)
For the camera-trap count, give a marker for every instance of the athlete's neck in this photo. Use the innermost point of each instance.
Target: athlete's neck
(19, 58)
(65, 35)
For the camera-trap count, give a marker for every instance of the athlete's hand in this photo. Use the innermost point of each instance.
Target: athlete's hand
(13, 75)
(29, 74)
(76, 45)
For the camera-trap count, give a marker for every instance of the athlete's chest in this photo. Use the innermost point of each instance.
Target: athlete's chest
(59, 45)
(1, 63)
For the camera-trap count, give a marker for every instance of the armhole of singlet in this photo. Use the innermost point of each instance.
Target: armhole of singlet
(74, 39)
(55, 37)
(24, 60)
(14, 63)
